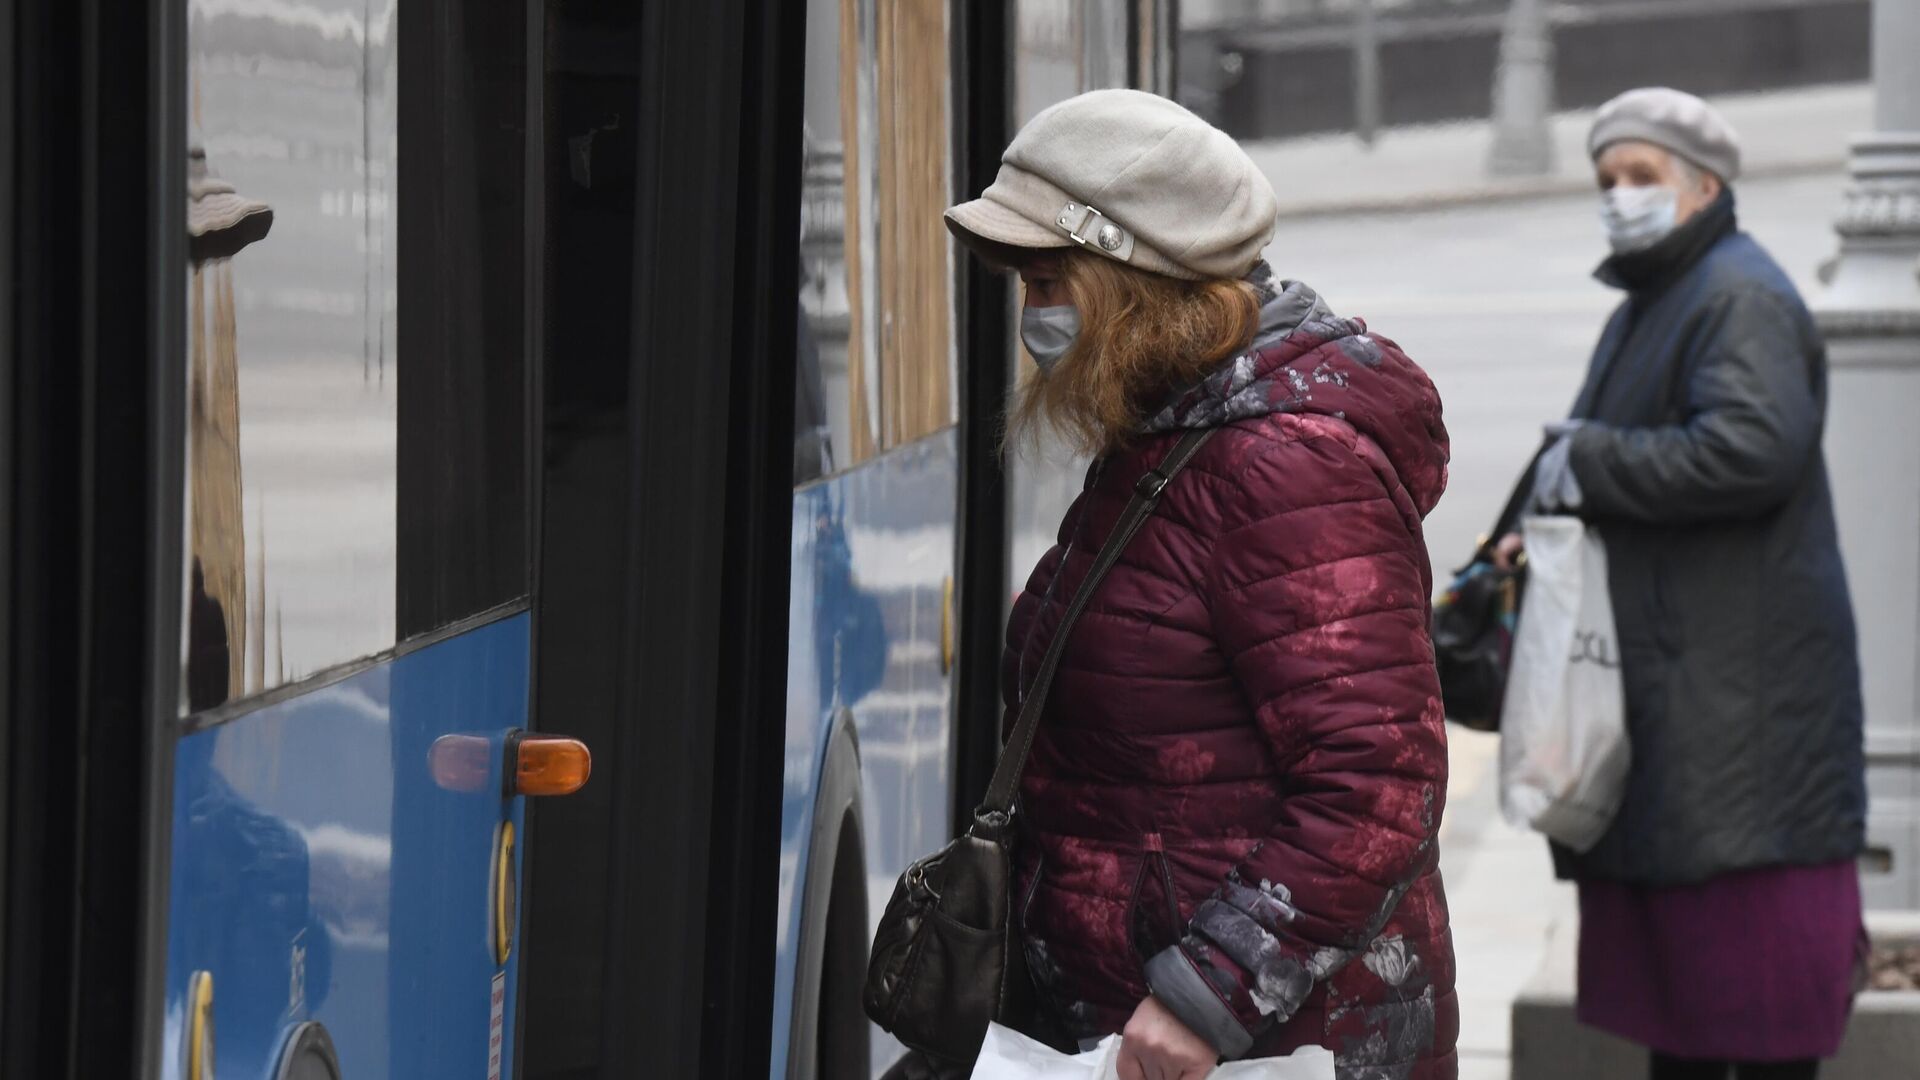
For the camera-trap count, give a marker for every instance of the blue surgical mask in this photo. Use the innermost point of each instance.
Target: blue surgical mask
(1638, 217)
(1048, 332)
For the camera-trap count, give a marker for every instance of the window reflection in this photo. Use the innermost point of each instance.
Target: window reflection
(830, 340)
(291, 441)
(915, 186)
(877, 363)
(220, 222)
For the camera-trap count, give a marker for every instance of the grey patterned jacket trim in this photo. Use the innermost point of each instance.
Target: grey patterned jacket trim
(1285, 306)
(1180, 987)
(1234, 390)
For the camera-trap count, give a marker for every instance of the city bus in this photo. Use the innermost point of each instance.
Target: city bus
(507, 533)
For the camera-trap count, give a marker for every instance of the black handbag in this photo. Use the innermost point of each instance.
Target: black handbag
(945, 960)
(1474, 621)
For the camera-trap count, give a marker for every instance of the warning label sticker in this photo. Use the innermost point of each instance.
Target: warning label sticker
(497, 1026)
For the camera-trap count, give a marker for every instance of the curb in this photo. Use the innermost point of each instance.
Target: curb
(1515, 191)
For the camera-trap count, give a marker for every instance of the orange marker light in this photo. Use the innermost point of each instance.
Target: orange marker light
(551, 765)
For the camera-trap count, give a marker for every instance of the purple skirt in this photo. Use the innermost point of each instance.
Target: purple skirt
(1757, 965)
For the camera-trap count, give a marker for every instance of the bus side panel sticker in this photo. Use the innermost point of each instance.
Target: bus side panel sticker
(497, 1025)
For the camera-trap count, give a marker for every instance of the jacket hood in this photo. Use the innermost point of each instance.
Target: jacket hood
(1307, 360)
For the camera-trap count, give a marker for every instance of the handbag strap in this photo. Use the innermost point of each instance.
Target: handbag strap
(1509, 514)
(1146, 494)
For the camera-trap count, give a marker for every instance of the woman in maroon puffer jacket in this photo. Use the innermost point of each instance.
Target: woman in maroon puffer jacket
(1229, 817)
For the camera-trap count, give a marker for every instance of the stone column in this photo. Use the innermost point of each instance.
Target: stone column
(1870, 314)
(1523, 94)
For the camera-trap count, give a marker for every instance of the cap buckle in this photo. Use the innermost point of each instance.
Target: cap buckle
(1103, 232)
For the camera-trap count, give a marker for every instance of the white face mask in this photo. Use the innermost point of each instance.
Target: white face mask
(1637, 217)
(1048, 332)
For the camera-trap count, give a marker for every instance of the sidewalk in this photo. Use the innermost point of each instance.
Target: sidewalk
(1431, 167)
(1503, 899)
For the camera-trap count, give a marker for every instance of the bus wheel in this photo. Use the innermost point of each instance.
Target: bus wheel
(829, 1036)
(308, 1055)
(845, 1046)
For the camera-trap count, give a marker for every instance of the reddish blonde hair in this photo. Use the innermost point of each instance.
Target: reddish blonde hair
(1143, 336)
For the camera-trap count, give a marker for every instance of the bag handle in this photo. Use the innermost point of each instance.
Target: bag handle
(1509, 514)
(1146, 494)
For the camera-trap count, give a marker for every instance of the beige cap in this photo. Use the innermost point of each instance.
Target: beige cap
(1132, 176)
(1673, 119)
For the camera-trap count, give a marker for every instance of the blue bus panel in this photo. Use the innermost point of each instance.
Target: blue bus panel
(329, 864)
(872, 566)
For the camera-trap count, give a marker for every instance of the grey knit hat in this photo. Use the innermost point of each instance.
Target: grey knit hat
(1132, 176)
(1673, 119)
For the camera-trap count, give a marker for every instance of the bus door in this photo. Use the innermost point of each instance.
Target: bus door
(397, 378)
(348, 824)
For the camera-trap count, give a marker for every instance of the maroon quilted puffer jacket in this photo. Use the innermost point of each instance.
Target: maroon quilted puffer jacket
(1234, 794)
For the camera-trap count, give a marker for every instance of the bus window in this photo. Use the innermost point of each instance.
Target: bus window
(356, 464)
(915, 186)
(830, 432)
(876, 357)
(291, 360)
(464, 522)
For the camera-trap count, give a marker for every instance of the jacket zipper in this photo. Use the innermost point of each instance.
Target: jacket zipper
(1033, 889)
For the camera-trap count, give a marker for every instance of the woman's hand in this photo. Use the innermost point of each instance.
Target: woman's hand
(1507, 550)
(1155, 1045)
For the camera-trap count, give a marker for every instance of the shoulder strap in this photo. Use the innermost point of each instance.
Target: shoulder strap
(1146, 494)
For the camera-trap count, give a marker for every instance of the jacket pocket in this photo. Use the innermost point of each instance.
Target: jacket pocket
(1177, 924)
(1154, 909)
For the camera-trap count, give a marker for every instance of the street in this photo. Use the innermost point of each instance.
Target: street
(1497, 302)
(515, 514)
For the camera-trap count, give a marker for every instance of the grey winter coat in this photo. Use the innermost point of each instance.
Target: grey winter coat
(1704, 472)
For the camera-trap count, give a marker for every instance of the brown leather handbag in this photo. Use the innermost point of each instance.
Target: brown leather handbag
(946, 961)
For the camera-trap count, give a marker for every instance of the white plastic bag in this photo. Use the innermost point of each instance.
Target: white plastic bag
(1009, 1055)
(1563, 729)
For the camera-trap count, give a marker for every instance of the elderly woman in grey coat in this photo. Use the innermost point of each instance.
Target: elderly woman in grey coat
(1720, 915)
